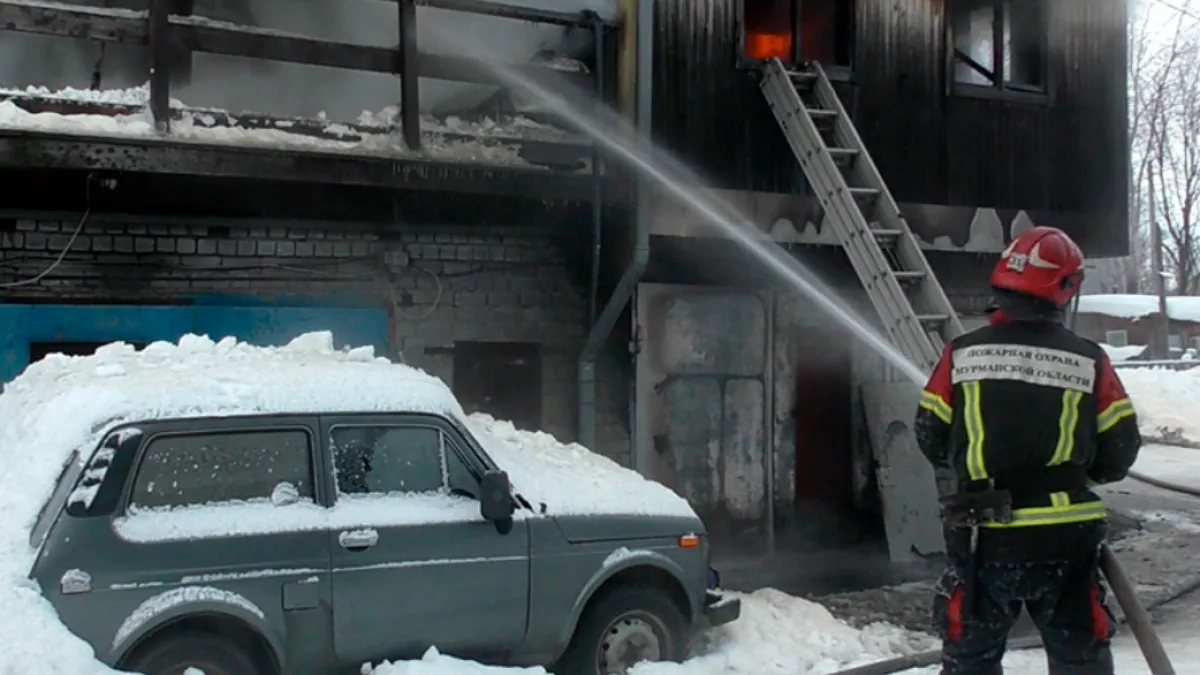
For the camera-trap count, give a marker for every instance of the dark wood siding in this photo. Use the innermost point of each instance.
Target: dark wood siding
(1067, 154)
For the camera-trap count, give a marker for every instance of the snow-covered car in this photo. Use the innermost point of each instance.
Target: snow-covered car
(244, 511)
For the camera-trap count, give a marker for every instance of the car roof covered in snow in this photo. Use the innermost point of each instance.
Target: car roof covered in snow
(201, 378)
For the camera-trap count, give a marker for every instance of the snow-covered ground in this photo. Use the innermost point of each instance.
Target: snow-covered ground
(53, 405)
(1167, 402)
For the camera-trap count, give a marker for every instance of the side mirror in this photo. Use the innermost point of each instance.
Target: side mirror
(495, 499)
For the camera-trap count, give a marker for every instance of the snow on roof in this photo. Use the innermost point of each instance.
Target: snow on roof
(442, 139)
(1118, 354)
(1128, 306)
(571, 479)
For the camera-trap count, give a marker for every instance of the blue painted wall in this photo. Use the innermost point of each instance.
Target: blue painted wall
(21, 325)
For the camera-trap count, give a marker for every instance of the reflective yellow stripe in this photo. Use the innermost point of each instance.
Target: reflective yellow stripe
(973, 421)
(1063, 513)
(1068, 422)
(1060, 499)
(934, 404)
(1115, 412)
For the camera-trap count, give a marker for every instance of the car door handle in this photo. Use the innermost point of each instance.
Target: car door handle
(358, 540)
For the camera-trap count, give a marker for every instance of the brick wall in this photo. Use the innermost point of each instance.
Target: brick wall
(443, 285)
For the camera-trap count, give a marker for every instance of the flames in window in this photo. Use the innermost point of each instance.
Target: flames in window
(769, 25)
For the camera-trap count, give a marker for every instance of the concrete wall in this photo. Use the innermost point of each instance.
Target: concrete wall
(439, 285)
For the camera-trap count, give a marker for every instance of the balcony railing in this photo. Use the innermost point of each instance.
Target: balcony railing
(170, 34)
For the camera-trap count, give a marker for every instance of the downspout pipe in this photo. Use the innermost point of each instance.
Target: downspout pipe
(627, 284)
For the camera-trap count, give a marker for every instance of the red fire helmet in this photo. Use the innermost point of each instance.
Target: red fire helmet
(1042, 262)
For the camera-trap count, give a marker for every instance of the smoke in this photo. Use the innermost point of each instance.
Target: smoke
(284, 89)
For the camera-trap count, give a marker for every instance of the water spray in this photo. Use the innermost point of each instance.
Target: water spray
(619, 137)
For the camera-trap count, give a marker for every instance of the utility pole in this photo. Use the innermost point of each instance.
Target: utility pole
(1160, 347)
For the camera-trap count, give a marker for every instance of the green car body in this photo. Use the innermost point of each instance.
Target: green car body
(311, 580)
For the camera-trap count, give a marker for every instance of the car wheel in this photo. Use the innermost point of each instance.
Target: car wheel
(624, 627)
(177, 652)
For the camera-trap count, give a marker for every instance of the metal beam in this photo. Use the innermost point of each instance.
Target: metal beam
(28, 150)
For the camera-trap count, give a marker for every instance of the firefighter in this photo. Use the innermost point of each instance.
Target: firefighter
(1029, 416)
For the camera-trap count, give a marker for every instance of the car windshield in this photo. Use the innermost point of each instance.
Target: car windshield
(67, 478)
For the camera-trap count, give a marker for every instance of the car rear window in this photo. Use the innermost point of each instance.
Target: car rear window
(224, 467)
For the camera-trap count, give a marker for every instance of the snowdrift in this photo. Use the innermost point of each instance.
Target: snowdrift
(777, 634)
(1167, 402)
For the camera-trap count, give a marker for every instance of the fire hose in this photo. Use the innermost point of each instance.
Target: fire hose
(1135, 615)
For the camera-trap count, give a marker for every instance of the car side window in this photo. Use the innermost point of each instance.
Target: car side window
(224, 467)
(396, 459)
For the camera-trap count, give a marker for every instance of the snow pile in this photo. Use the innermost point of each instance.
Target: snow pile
(571, 479)
(194, 126)
(776, 634)
(1128, 306)
(1118, 354)
(199, 125)
(1167, 402)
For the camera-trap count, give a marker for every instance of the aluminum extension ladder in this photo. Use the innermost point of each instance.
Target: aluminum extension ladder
(912, 305)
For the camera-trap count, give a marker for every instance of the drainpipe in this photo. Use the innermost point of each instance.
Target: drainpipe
(644, 25)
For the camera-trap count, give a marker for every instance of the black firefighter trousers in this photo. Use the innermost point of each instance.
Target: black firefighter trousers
(1065, 599)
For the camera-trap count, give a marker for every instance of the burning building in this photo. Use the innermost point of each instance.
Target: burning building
(176, 166)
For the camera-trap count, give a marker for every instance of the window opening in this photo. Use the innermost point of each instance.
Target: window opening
(1000, 44)
(826, 30)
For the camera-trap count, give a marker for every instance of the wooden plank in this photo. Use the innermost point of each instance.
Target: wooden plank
(530, 14)
(29, 150)
(74, 21)
(160, 64)
(410, 103)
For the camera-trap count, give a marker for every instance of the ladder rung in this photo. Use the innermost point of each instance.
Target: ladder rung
(802, 77)
(932, 318)
(882, 233)
(822, 114)
(843, 152)
(908, 275)
(863, 192)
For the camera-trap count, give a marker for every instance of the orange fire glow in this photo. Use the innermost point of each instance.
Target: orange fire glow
(768, 45)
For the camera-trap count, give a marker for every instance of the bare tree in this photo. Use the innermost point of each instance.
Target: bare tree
(1164, 123)
(1172, 153)
(1151, 57)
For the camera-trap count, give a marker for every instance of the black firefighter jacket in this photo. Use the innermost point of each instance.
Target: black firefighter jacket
(1032, 408)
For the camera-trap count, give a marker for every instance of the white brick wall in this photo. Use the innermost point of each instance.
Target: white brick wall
(496, 284)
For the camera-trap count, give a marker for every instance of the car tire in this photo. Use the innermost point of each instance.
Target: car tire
(617, 630)
(211, 654)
